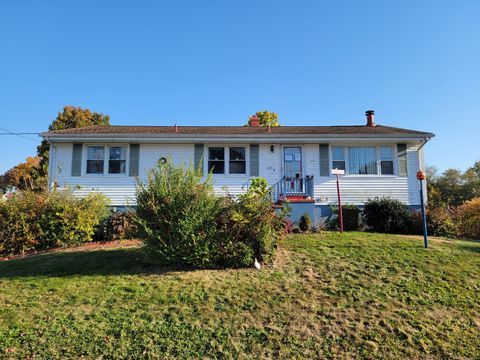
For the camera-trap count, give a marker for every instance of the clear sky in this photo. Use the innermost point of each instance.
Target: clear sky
(417, 63)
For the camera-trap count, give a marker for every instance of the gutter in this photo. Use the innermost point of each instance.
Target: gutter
(220, 139)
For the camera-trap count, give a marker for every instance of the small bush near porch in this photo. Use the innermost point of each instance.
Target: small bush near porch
(184, 223)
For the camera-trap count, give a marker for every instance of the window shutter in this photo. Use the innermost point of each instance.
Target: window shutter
(77, 159)
(133, 168)
(198, 157)
(402, 159)
(254, 160)
(324, 160)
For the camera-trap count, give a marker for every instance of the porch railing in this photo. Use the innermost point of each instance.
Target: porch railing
(301, 186)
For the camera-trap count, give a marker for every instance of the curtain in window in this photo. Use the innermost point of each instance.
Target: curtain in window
(362, 161)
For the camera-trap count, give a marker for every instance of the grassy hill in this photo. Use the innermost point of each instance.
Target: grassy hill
(326, 296)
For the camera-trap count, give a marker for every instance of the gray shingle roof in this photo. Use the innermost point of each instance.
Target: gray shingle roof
(239, 130)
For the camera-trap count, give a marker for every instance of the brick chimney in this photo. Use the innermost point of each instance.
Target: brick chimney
(253, 121)
(370, 118)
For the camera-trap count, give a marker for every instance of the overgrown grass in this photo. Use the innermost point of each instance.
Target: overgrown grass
(327, 296)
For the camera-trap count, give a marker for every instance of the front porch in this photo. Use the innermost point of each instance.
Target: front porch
(298, 193)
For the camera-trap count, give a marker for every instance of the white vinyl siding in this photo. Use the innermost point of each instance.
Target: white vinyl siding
(356, 189)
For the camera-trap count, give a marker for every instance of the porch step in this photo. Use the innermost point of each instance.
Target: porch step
(295, 199)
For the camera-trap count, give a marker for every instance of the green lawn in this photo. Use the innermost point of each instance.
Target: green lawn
(326, 296)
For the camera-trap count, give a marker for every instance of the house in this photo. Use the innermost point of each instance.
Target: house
(297, 161)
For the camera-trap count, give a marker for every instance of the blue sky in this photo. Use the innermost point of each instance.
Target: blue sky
(417, 63)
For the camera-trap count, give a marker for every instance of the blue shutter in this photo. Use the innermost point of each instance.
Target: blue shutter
(133, 168)
(254, 160)
(77, 159)
(198, 158)
(324, 160)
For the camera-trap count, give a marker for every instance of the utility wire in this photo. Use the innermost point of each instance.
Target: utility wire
(18, 133)
(10, 132)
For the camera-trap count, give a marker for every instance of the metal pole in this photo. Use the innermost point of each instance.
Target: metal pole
(340, 212)
(424, 217)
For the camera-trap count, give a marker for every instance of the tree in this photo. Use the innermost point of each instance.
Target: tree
(24, 176)
(71, 117)
(266, 118)
(452, 188)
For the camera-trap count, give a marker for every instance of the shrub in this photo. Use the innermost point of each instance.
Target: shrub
(37, 221)
(176, 215)
(305, 222)
(440, 223)
(288, 226)
(468, 219)
(20, 217)
(351, 218)
(69, 220)
(252, 227)
(183, 222)
(119, 225)
(387, 215)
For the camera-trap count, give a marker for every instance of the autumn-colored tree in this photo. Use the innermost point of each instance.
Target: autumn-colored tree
(265, 118)
(71, 117)
(24, 176)
(452, 188)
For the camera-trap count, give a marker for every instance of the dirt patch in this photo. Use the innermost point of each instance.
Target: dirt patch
(82, 247)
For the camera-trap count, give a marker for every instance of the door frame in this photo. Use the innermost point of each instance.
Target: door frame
(302, 154)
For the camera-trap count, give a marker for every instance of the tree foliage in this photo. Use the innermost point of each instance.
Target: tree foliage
(70, 117)
(452, 188)
(24, 176)
(266, 118)
(32, 174)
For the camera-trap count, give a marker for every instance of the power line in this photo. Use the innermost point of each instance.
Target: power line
(10, 132)
(19, 133)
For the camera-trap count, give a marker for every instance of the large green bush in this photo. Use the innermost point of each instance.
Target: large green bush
(387, 215)
(20, 218)
(183, 222)
(37, 221)
(176, 215)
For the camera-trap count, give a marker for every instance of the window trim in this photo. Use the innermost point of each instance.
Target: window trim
(226, 149)
(345, 147)
(106, 159)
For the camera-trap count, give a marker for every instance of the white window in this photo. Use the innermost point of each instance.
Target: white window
(338, 158)
(386, 160)
(227, 160)
(362, 160)
(95, 159)
(117, 161)
(216, 160)
(237, 163)
(106, 159)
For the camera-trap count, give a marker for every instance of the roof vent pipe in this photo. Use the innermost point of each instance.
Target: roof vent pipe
(370, 118)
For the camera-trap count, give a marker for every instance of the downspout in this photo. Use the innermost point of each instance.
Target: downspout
(420, 165)
(51, 162)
